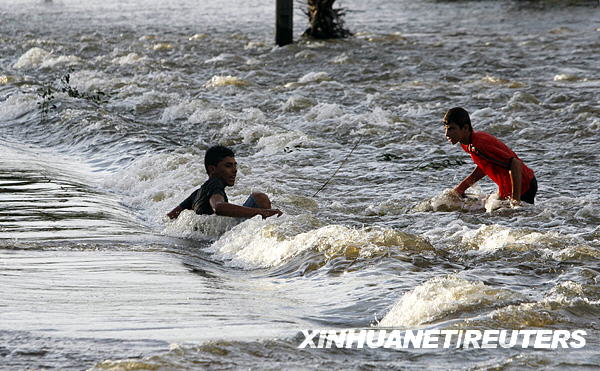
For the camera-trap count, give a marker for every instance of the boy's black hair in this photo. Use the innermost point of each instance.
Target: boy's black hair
(459, 116)
(216, 154)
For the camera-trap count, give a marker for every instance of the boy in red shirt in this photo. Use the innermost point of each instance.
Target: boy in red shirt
(492, 157)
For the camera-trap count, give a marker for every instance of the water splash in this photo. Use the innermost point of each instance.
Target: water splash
(442, 298)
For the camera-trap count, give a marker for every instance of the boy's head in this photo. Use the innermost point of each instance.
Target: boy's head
(219, 162)
(458, 116)
(457, 124)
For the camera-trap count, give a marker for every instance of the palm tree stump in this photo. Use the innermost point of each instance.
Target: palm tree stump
(325, 22)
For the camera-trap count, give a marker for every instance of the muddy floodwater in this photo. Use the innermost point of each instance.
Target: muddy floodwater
(107, 108)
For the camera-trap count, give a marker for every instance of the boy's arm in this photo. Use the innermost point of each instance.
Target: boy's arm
(220, 207)
(185, 205)
(473, 178)
(515, 172)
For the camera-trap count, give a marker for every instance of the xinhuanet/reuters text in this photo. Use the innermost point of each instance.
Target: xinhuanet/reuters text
(443, 339)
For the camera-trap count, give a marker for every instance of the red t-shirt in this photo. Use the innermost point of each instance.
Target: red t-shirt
(493, 157)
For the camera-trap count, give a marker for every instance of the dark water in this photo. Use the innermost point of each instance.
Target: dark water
(94, 277)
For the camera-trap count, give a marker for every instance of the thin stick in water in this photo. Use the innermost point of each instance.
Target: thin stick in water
(339, 167)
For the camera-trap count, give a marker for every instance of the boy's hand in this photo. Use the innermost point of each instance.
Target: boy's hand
(515, 203)
(173, 214)
(456, 194)
(265, 213)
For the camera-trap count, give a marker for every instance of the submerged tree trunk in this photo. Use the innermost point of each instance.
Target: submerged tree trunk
(325, 22)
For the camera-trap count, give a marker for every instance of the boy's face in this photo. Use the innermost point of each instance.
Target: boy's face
(455, 134)
(226, 170)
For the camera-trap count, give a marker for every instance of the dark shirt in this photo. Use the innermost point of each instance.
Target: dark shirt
(199, 199)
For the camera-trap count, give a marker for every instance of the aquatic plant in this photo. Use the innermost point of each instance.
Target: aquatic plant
(47, 95)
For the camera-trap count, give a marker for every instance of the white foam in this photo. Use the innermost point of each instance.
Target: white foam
(253, 61)
(475, 200)
(89, 81)
(561, 30)
(376, 121)
(566, 77)
(581, 252)
(484, 113)
(224, 57)
(156, 183)
(549, 310)
(441, 297)
(588, 207)
(199, 227)
(493, 237)
(567, 292)
(522, 101)
(129, 59)
(40, 58)
(255, 45)
(278, 142)
(341, 59)
(524, 98)
(163, 47)
(17, 105)
(386, 207)
(198, 36)
(148, 38)
(378, 117)
(314, 77)
(33, 57)
(248, 126)
(67, 60)
(448, 200)
(494, 202)
(219, 81)
(163, 77)
(526, 315)
(6, 79)
(297, 103)
(182, 110)
(494, 80)
(324, 111)
(203, 115)
(150, 99)
(306, 54)
(258, 243)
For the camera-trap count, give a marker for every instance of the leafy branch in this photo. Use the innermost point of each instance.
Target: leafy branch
(47, 103)
(46, 93)
(99, 97)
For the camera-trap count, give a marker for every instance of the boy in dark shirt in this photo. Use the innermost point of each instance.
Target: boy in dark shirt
(492, 157)
(210, 199)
